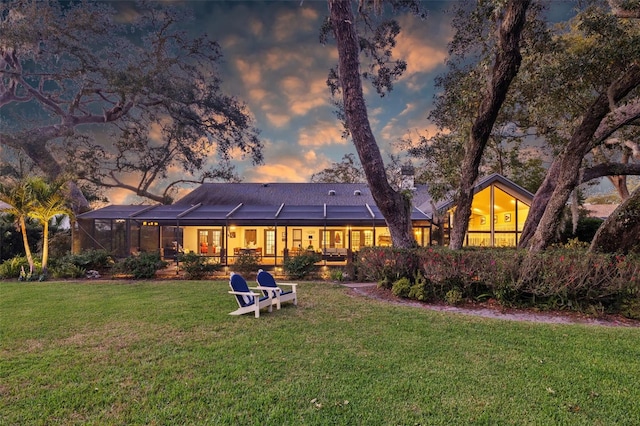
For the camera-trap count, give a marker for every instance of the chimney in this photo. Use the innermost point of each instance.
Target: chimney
(407, 173)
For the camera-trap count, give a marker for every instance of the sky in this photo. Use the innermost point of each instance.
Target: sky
(273, 61)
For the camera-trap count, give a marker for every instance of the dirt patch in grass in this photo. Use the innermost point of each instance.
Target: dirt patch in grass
(491, 309)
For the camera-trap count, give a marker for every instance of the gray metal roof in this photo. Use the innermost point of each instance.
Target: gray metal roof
(284, 203)
(249, 214)
(297, 194)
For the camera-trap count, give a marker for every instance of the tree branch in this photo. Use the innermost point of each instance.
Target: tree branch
(609, 169)
(621, 116)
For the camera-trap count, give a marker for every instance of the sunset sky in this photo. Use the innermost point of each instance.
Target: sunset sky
(274, 62)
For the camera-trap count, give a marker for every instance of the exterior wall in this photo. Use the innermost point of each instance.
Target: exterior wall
(272, 244)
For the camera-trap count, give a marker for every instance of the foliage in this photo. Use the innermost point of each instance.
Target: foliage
(18, 196)
(386, 265)
(141, 266)
(337, 274)
(560, 278)
(98, 260)
(11, 243)
(347, 171)
(66, 270)
(453, 297)
(196, 267)
(48, 202)
(401, 287)
(151, 77)
(12, 268)
(302, 264)
(246, 263)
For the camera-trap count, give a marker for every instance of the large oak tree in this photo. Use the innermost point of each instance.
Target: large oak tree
(118, 100)
(393, 204)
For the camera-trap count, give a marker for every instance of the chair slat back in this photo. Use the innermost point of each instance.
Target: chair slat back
(238, 283)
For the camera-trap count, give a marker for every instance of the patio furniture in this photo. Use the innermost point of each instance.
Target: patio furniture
(270, 288)
(248, 301)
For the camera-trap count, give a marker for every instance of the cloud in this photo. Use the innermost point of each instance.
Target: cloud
(289, 25)
(321, 133)
(249, 72)
(278, 120)
(303, 95)
(423, 51)
(277, 173)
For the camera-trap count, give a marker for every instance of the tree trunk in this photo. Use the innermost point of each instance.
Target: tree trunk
(620, 184)
(45, 247)
(505, 68)
(395, 207)
(621, 231)
(25, 241)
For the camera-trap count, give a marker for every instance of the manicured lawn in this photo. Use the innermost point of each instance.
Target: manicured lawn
(167, 353)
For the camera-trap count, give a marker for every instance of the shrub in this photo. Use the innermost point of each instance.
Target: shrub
(142, 266)
(453, 297)
(246, 263)
(558, 278)
(420, 288)
(196, 267)
(301, 265)
(67, 270)
(336, 275)
(401, 287)
(18, 268)
(386, 265)
(99, 260)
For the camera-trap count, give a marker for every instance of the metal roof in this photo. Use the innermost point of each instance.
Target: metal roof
(245, 214)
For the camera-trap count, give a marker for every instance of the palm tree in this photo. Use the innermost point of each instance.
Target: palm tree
(48, 201)
(17, 196)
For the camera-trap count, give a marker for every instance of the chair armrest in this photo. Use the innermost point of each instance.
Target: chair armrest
(244, 293)
(292, 285)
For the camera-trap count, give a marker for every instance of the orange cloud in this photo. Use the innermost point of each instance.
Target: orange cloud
(304, 19)
(414, 46)
(278, 120)
(249, 72)
(322, 133)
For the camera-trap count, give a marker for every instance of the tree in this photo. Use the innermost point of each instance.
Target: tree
(347, 171)
(507, 61)
(48, 202)
(394, 205)
(116, 103)
(604, 52)
(620, 232)
(17, 195)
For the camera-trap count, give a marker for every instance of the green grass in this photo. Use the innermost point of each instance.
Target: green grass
(168, 353)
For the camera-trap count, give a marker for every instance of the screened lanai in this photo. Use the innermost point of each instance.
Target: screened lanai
(224, 232)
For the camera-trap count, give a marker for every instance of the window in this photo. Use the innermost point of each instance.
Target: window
(297, 238)
(355, 240)
(250, 237)
(270, 242)
(209, 241)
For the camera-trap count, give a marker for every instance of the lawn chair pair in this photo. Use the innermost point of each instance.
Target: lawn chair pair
(272, 294)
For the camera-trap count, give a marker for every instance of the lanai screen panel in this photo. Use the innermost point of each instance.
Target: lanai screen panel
(207, 216)
(164, 215)
(113, 212)
(254, 214)
(351, 215)
(301, 215)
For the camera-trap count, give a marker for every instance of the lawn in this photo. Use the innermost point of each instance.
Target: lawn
(168, 353)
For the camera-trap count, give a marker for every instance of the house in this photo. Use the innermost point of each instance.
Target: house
(276, 220)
